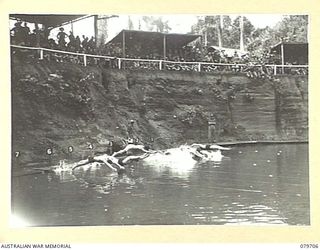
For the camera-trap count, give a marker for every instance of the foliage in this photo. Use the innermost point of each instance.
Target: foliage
(209, 25)
(292, 28)
(156, 24)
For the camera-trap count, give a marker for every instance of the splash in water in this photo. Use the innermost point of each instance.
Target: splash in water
(180, 160)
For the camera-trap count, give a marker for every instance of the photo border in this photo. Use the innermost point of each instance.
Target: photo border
(162, 234)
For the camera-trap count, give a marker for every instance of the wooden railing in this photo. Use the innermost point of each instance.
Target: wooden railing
(133, 63)
(43, 52)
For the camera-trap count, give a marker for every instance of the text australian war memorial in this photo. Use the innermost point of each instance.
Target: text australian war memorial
(140, 123)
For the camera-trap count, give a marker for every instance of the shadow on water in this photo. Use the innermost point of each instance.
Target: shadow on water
(250, 185)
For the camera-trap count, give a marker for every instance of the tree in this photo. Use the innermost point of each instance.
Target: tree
(156, 24)
(130, 23)
(230, 31)
(261, 40)
(234, 38)
(293, 28)
(148, 22)
(209, 27)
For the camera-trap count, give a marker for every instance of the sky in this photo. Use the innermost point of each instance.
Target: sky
(180, 23)
(263, 20)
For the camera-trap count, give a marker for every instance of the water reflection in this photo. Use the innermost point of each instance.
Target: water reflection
(102, 179)
(63, 176)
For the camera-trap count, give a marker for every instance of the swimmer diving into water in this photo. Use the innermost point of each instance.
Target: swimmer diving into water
(111, 160)
(208, 147)
(119, 159)
(131, 147)
(105, 159)
(208, 152)
(193, 151)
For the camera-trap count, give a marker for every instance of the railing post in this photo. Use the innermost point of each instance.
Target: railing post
(199, 67)
(274, 69)
(85, 60)
(41, 54)
(160, 65)
(119, 63)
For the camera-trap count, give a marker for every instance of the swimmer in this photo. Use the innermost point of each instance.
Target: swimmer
(196, 154)
(111, 161)
(215, 156)
(105, 159)
(125, 160)
(132, 147)
(208, 147)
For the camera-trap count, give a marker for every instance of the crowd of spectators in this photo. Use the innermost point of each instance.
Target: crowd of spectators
(246, 62)
(20, 34)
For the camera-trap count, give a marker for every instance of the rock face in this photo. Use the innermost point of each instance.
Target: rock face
(57, 105)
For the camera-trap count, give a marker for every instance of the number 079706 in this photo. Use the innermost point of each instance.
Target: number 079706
(312, 246)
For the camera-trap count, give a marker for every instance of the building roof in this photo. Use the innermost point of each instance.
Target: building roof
(277, 47)
(47, 20)
(177, 40)
(293, 52)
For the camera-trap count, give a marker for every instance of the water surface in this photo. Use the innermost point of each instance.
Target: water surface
(251, 185)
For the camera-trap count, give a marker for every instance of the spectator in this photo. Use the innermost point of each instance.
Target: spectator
(130, 130)
(43, 38)
(77, 44)
(71, 37)
(72, 42)
(84, 43)
(33, 38)
(25, 34)
(46, 32)
(254, 64)
(17, 36)
(91, 46)
(62, 39)
(52, 44)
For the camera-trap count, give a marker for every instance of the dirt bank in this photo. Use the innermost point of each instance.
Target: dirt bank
(58, 105)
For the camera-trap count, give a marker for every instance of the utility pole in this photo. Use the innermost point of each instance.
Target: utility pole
(95, 24)
(206, 38)
(241, 33)
(130, 24)
(219, 29)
